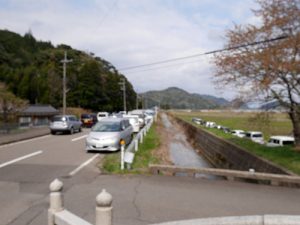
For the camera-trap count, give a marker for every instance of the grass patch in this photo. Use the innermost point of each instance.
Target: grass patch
(144, 156)
(283, 156)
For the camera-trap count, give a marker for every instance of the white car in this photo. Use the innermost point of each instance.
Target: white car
(255, 136)
(197, 120)
(276, 141)
(134, 121)
(102, 115)
(238, 133)
(210, 124)
(140, 114)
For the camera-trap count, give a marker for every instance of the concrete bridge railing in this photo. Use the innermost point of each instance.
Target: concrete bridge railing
(274, 179)
(58, 215)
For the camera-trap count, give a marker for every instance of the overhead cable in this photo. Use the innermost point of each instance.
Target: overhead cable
(205, 53)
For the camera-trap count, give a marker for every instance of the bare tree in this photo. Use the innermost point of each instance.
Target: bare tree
(270, 68)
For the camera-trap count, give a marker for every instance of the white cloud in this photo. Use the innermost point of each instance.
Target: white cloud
(133, 32)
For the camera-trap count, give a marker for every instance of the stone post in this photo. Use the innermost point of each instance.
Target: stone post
(56, 200)
(104, 208)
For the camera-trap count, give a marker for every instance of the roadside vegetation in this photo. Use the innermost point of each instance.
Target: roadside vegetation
(278, 124)
(143, 157)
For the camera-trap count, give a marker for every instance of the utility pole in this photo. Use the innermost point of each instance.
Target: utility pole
(123, 88)
(137, 101)
(65, 61)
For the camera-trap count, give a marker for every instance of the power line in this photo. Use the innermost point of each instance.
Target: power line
(205, 53)
(163, 67)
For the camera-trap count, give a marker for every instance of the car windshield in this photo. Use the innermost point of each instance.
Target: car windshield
(85, 116)
(59, 118)
(107, 127)
(257, 135)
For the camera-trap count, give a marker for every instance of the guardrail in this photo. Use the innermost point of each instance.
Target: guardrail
(274, 179)
(127, 155)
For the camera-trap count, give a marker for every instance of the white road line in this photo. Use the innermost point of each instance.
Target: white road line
(78, 138)
(25, 141)
(83, 165)
(20, 158)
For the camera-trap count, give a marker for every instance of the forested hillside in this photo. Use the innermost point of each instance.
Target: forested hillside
(177, 98)
(32, 70)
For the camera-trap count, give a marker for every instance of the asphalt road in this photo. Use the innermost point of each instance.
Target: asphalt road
(28, 167)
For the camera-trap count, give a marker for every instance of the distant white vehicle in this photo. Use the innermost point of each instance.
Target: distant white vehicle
(255, 136)
(276, 141)
(197, 120)
(140, 114)
(238, 133)
(210, 124)
(102, 115)
(134, 121)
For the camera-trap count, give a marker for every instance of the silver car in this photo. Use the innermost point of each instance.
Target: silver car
(107, 134)
(65, 123)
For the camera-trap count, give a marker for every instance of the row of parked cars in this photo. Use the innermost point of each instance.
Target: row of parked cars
(108, 131)
(255, 136)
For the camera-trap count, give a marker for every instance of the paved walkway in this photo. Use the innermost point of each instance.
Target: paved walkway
(23, 135)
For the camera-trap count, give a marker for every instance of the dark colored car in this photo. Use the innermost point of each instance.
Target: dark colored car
(88, 120)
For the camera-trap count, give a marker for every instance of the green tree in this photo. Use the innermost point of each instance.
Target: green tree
(9, 103)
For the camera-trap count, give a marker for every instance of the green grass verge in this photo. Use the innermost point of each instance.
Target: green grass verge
(283, 156)
(143, 157)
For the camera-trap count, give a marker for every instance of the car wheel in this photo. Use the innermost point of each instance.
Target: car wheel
(53, 132)
(79, 130)
(72, 130)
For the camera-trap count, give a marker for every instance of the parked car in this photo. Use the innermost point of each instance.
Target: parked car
(276, 141)
(238, 133)
(210, 124)
(102, 115)
(134, 121)
(140, 114)
(197, 120)
(255, 136)
(225, 129)
(65, 123)
(88, 120)
(107, 134)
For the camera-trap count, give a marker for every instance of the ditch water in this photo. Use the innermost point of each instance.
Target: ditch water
(181, 151)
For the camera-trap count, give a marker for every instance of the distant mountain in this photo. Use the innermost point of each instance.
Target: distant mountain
(177, 98)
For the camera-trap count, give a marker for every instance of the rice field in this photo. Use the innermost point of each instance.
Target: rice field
(268, 123)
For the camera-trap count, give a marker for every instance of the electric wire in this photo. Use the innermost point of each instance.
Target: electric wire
(203, 54)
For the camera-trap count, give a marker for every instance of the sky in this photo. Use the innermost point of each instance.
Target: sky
(136, 32)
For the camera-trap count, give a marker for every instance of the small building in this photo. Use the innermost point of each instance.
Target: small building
(36, 115)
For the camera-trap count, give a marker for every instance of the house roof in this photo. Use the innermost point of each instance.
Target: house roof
(39, 110)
